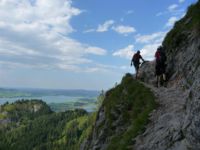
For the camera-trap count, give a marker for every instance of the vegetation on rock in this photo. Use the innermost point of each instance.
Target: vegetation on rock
(122, 116)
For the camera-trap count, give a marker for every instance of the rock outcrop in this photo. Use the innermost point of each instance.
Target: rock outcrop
(147, 72)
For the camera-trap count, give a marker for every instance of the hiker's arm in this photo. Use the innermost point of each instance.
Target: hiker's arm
(142, 59)
(132, 61)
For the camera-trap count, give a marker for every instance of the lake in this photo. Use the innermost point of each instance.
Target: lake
(57, 99)
(60, 102)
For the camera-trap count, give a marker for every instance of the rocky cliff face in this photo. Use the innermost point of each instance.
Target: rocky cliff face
(175, 124)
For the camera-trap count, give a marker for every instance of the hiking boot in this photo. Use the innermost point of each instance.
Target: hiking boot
(165, 83)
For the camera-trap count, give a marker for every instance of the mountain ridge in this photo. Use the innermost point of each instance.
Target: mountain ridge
(174, 125)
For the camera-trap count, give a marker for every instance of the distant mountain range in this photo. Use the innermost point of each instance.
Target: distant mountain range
(22, 92)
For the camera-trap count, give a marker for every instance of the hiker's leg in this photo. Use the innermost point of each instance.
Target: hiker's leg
(136, 69)
(164, 80)
(136, 74)
(157, 80)
(164, 77)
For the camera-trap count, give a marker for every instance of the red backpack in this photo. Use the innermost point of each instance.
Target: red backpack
(157, 55)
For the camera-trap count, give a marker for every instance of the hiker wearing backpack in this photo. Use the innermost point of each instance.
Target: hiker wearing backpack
(136, 62)
(160, 65)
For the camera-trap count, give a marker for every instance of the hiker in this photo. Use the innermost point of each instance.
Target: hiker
(160, 66)
(136, 61)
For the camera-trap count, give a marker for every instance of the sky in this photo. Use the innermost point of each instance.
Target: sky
(79, 44)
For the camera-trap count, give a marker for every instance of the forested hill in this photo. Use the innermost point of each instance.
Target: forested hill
(22, 110)
(28, 125)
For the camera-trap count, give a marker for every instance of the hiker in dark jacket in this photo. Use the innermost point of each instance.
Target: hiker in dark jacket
(136, 62)
(160, 65)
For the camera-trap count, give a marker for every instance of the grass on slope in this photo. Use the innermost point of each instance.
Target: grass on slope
(133, 102)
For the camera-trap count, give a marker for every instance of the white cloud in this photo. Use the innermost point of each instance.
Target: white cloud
(37, 34)
(160, 14)
(69, 67)
(126, 52)
(124, 29)
(171, 21)
(96, 51)
(152, 42)
(109, 24)
(129, 12)
(105, 26)
(94, 67)
(148, 51)
(89, 30)
(172, 7)
(154, 37)
(181, 1)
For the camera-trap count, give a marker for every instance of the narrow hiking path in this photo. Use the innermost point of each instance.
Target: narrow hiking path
(166, 122)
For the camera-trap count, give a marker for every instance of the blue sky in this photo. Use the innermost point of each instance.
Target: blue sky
(79, 44)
